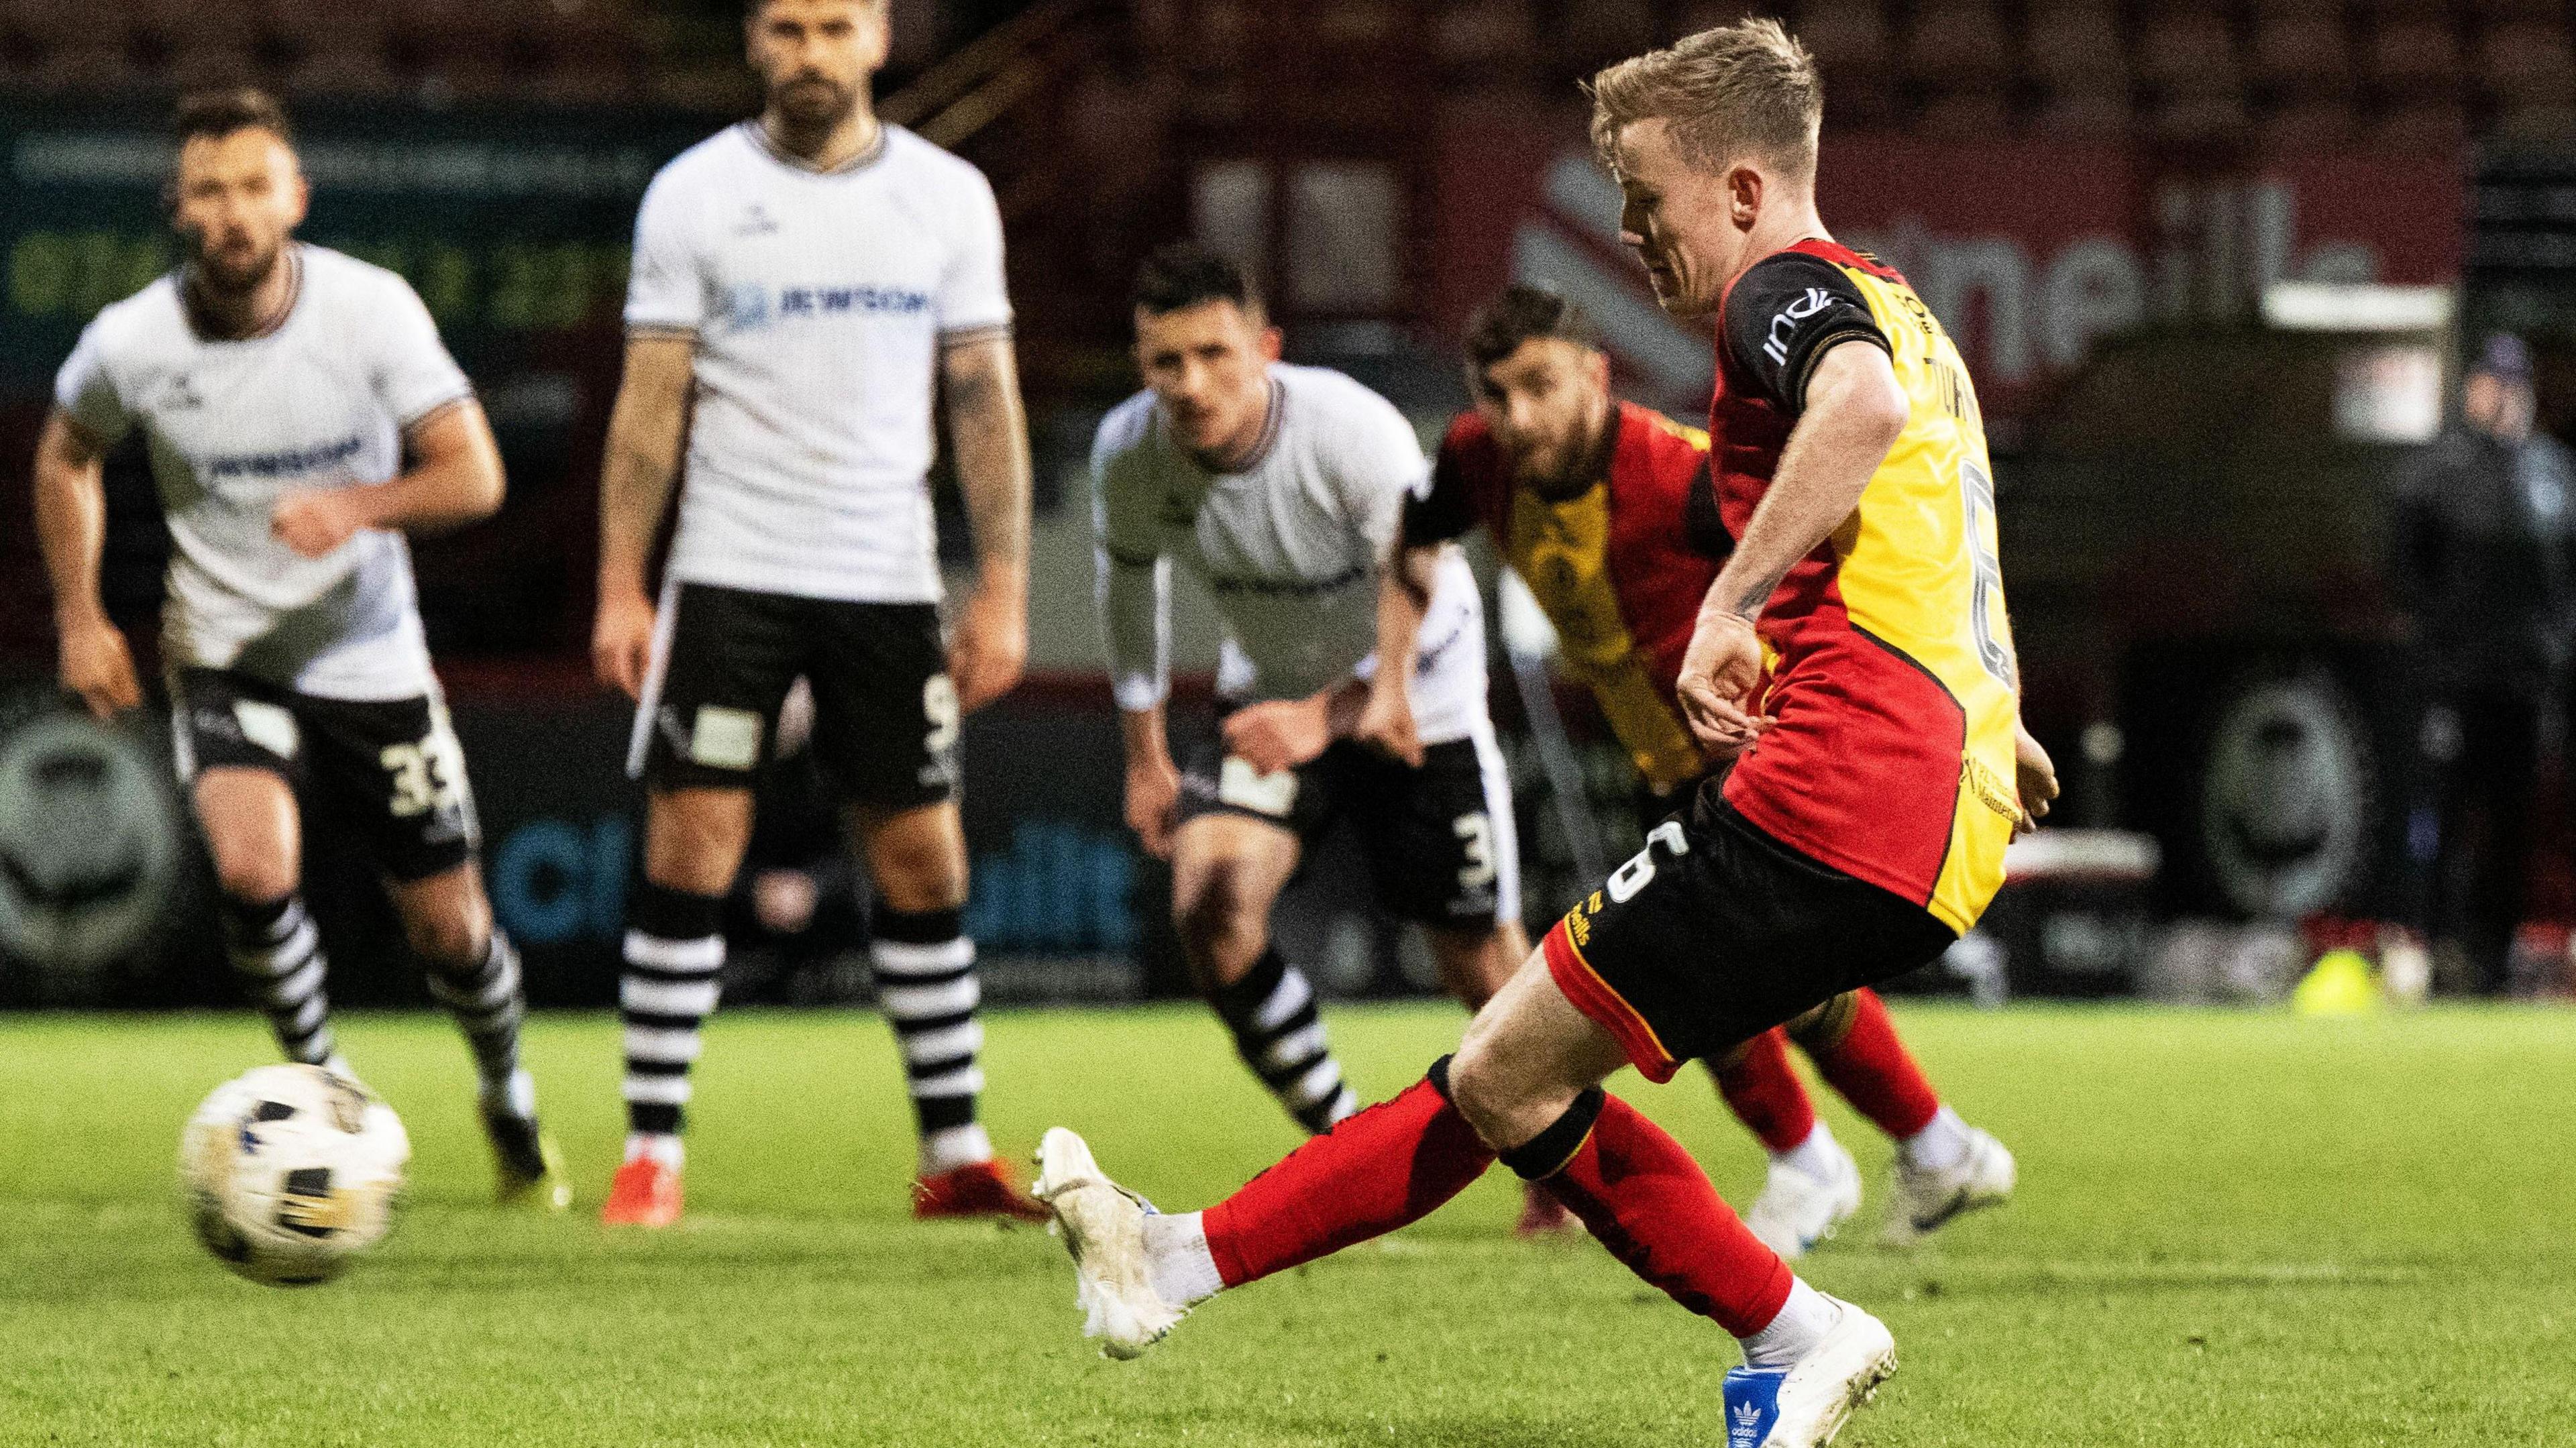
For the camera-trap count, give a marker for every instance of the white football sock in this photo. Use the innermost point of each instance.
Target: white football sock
(1813, 1156)
(660, 1146)
(1939, 1146)
(951, 1147)
(1177, 1261)
(1803, 1322)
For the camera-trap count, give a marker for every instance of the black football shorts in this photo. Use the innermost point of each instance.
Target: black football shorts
(391, 767)
(1439, 840)
(1716, 932)
(885, 713)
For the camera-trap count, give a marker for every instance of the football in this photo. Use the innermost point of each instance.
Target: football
(289, 1172)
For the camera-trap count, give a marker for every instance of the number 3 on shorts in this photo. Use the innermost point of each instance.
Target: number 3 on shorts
(1476, 841)
(939, 709)
(1628, 879)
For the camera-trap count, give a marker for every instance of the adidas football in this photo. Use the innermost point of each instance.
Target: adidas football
(288, 1172)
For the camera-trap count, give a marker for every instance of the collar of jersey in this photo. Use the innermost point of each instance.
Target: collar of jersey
(1260, 450)
(759, 135)
(294, 259)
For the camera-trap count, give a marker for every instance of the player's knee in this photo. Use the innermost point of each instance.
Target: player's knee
(919, 875)
(451, 939)
(695, 845)
(253, 876)
(1218, 914)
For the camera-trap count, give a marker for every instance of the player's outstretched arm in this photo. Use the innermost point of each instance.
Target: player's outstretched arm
(71, 529)
(635, 477)
(989, 430)
(1854, 412)
(454, 480)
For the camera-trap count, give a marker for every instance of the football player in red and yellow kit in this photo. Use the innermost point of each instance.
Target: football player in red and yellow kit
(1606, 510)
(1851, 649)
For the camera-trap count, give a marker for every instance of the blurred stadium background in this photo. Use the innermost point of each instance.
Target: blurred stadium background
(2215, 267)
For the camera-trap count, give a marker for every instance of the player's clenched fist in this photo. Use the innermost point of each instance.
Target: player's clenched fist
(621, 641)
(316, 524)
(97, 666)
(990, 648)
(1720, 672)
(1153, 804)
(2037, 777)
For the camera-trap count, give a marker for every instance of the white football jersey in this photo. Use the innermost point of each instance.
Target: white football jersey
(320, 401)
(819, 302)
(1289, 546)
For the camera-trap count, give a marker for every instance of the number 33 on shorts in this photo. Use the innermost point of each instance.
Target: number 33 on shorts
(425, 775)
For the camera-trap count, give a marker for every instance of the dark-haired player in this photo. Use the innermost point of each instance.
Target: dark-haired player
(802, 284)
(1852, 649)
(1605, 509)
(281, 386)
(1353, 677)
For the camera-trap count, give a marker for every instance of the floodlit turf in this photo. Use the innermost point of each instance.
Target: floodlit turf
(2233, 1229)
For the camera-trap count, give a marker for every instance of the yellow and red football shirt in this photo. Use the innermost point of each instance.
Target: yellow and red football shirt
(1892, 673)
(1619, 567)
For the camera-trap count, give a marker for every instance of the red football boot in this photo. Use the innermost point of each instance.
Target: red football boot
(644, 1193)
(977, 1189)
(1542, 1215)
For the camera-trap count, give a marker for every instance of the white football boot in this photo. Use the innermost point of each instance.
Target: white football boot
(1832, 1382)
(1103, 1226)
(1798, 1209)
(1923, 1199)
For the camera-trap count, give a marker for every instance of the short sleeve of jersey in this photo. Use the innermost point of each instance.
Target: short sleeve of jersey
(1379, 468)
(413, 374)
(1782, 317)
(87, 394)
(973, 298)
(665, 287)
(1448, 510)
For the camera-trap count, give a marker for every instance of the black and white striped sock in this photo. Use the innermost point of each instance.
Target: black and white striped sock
(926, 985)
(488, 1007)
(1280, 1035)
(674, 950)
(278, 955)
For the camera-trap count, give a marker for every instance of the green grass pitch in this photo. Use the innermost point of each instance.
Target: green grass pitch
(2232, 1229)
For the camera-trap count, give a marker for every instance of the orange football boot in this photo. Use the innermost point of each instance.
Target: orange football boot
(977, 1189)
(644, 1193)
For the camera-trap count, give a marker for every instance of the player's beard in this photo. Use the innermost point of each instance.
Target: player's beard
(235, 270)
(811, 102)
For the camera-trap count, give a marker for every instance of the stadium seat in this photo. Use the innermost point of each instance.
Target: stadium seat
(2075, 48)
(2301, 57)
(1702, 15)
(2321, 123)
(1492, 41)
(2192, 54)
(2524, 67)
(2411, 59)
(1958, 45)
(1597, 32)
(1857, 56)
(2423, 126)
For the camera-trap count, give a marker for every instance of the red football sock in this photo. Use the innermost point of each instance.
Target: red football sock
(1766, 1095)
(1651, 1205)
(1875, 1073)
(1377, 1171)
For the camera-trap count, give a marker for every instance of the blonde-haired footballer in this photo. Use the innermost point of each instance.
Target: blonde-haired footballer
(1852, 649)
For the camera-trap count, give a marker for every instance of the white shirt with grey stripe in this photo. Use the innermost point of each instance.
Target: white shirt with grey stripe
(1289, 546)
(818, 303)
(320, 401)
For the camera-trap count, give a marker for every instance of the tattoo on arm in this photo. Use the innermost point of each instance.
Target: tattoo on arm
(989, 431)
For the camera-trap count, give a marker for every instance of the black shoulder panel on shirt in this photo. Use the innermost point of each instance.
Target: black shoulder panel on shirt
(1702, 525)
(1784, 314)
(1449, 511)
